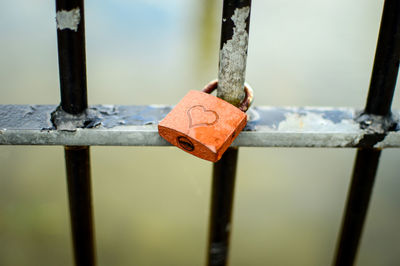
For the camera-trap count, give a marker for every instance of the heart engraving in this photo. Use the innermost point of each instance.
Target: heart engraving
(200, 116)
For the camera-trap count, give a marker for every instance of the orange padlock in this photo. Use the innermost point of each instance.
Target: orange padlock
(205, 125)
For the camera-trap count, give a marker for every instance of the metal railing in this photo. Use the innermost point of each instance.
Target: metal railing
(77, 126)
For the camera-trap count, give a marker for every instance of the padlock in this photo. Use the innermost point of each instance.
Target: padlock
(204, 125)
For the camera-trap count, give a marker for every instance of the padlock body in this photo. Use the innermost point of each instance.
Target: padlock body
(202, 125)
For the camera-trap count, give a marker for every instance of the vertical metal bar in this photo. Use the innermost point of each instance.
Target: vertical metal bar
(223, 186)
(358, 199)
(233, 50)
(71, 55)
(72, 69)
(386, 63)
(77, 161)
(231, 77)
(380, 95)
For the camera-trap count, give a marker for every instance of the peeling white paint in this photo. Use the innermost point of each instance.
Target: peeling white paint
(232, 60)
(311, 129)
(314, 122)
(252, 115)
(68, 19)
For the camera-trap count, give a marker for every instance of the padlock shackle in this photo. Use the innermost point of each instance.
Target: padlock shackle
(243, 105)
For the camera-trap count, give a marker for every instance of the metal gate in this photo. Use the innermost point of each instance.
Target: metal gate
(77, 126)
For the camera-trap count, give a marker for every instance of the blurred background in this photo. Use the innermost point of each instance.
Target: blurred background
(151, 204)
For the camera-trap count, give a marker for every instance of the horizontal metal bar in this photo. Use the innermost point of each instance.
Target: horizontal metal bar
(115, 125)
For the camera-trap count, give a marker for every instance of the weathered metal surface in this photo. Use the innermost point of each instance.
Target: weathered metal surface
(73, 112)
(116, 125)
(233, 50)
(70, 18)
(231, 79)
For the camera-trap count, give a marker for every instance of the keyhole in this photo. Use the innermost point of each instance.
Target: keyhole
(185, 143)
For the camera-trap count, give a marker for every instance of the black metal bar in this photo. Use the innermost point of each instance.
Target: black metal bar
(386, 63)
(71, 55)
(77, 160)
(383, 82)
(72, 69)
(223, 186)
(231, 77)
(360, 192)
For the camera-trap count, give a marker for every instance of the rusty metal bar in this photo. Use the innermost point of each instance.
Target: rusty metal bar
(231, 78)
(378, 119)
(72, 69)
